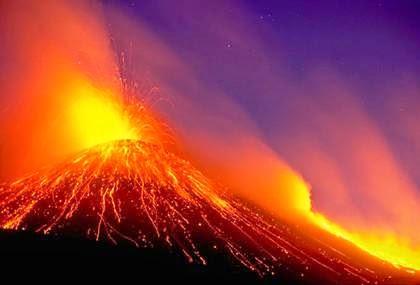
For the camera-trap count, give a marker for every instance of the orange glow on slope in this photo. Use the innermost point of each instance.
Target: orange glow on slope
(386, 246)
(390, 247)
(96, 117)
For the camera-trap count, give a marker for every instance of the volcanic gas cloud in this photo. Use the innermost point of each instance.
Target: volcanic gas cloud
(67, 98)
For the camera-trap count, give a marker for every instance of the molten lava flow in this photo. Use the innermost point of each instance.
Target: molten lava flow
(388, 247)
(392, 248)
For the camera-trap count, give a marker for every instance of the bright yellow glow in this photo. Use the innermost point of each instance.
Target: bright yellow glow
(96, 117)
(302, 193)
(386, 246)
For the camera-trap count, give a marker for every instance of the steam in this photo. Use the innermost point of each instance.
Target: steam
(341, 149)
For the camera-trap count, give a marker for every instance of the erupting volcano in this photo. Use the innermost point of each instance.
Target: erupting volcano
(130, 190)
(104, 167)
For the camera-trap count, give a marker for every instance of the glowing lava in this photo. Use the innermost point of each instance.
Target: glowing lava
(96, 117)
(386, 246)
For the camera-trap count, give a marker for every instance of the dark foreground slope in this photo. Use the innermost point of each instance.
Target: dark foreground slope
(46, 257)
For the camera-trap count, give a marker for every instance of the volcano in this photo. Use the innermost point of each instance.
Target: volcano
(137, 193)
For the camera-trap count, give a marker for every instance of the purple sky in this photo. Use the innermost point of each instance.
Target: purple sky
(369, 43)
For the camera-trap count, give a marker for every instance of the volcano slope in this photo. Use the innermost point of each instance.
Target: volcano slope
(133, 193)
